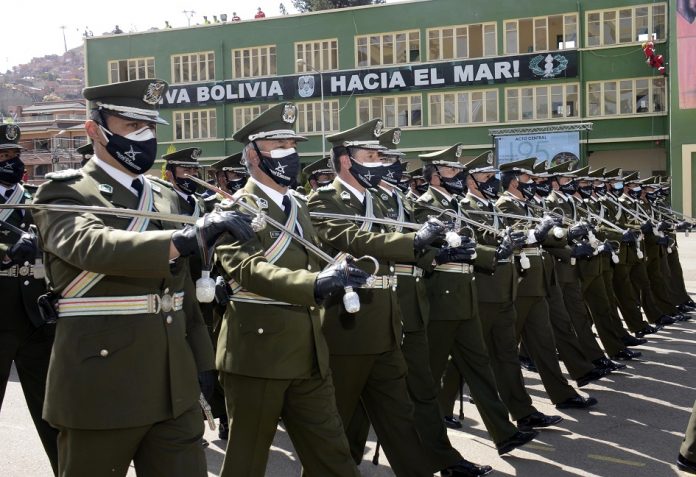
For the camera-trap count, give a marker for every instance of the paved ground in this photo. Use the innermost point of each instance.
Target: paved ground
(635, 431)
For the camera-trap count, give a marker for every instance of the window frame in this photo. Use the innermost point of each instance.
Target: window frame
(534, 20)
(549, 100)
(634, 113)
(381, 35)
(208, 61)
(248, 108)
(617, 20)
(321, 67)
(470, 122)
(175, 117)
(328, 118)
(383, 116)
(272, 68)
(456, 56)
(128, 68)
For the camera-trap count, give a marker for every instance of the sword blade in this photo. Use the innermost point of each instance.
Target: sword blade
(98, 210)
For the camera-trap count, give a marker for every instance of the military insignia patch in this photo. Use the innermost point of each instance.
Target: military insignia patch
(262, 203)
(106, 189)
(196, 153)
(274, 234)
(345, 195)
(384, 196)
(396, 139)
(378, 128)
(11, 132)
(458, 152)
(444, 202)
(154, 91)
(289, 113)
(155, 187)
(489, 158)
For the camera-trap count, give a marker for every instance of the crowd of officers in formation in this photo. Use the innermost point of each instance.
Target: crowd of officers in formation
(366, 302)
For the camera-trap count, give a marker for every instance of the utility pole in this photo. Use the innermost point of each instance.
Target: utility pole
(189, 14)
(65, 43)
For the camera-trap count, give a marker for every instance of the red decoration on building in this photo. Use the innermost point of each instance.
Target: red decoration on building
(652, 59)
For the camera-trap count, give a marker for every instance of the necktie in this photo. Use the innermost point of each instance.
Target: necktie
(138, 186)
(6, 195)
(191, 201)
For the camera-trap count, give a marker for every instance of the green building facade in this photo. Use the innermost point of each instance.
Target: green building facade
(445, 71)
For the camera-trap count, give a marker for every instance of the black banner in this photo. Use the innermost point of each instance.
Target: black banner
(484, 71)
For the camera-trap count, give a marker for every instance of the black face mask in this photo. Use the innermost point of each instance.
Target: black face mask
(393, 173)
(489, 188)
(136, 155)
(422, 188)
(543, 188)
(11, 171)
(634, 194)
(455, 185)
(528, 189)
(186, 185)
(367, 176)
(652, 196)
(664, 192)
(233, 185)
(586, 191)
(283, 170)
(601, 190)
(403, 186)
(570, 188)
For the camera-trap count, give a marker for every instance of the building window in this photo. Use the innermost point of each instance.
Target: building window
(131, 69)
(464, 107)
(527, 35)
(321, 55)
(624, 97)
(243, 115)
(198, 124)
(401, 111)
(626, 25)
(463, 41)
(309, 117)
(542, 102)
(252, 62)
(193, 67)
(388, 48)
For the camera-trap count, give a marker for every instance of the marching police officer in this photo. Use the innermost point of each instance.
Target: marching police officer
(26, 339)
(179, 165)
(130, 341)
(319, 173)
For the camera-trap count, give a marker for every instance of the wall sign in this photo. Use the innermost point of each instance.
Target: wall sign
(480, 72)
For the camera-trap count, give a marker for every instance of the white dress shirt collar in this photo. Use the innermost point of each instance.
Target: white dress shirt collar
(118, 175)
(360, 195)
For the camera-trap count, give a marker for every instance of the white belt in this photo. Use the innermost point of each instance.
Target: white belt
(531, 251)
(120, 305)
(408, 270)
(455, 268)
(381, 282)
(17, 271)
(505, 260)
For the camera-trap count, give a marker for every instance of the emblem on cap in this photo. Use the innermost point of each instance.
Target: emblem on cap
(396, 139)
(196, 153)
(489, 158)
(289, 113)
(154, 92)
(378, 128)
(458, 152)
(11, 132)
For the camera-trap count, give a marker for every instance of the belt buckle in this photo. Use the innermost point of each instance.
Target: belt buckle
(417, 272)
(24, 270)
(167, 303)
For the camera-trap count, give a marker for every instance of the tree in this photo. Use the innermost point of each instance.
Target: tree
(315, 5)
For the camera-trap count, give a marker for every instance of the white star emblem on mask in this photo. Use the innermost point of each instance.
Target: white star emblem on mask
(131, 154)
(390, 174)
(368, 176)
(280, 168)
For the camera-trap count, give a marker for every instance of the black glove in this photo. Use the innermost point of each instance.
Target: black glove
(629, 236)
(683, 226)
(222, 291)
(336, 277)
(582, 250)
(211, 227)
(647, 227)
(606, 247)
(24, 250)
(207, 379)
(664, 241)
(577, 231)
(462, 254)
(430, 231)
(664, 226)
(511, 242)
(541, 231)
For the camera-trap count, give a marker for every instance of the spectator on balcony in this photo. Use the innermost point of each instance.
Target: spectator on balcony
(260, 14)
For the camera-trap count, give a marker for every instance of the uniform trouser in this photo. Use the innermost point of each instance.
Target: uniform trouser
(595, 293)
(641, 282)
(533, 325)
(379, 383)
(658, 279)
(627, 297)
(309, 414)
(424, 392)
(677, 276)
(569, 347)
(608, 286)
(498, 323)
(452, 383)
(30, 349)
(688, 447)
(582, 322)
(172, 448)
(463, 340)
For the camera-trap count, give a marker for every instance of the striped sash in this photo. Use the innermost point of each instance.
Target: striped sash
(15, 198)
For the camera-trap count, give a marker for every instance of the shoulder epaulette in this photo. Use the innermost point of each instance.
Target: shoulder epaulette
(160, 181)
(297, 195)
(326, 188)
(64, 175)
